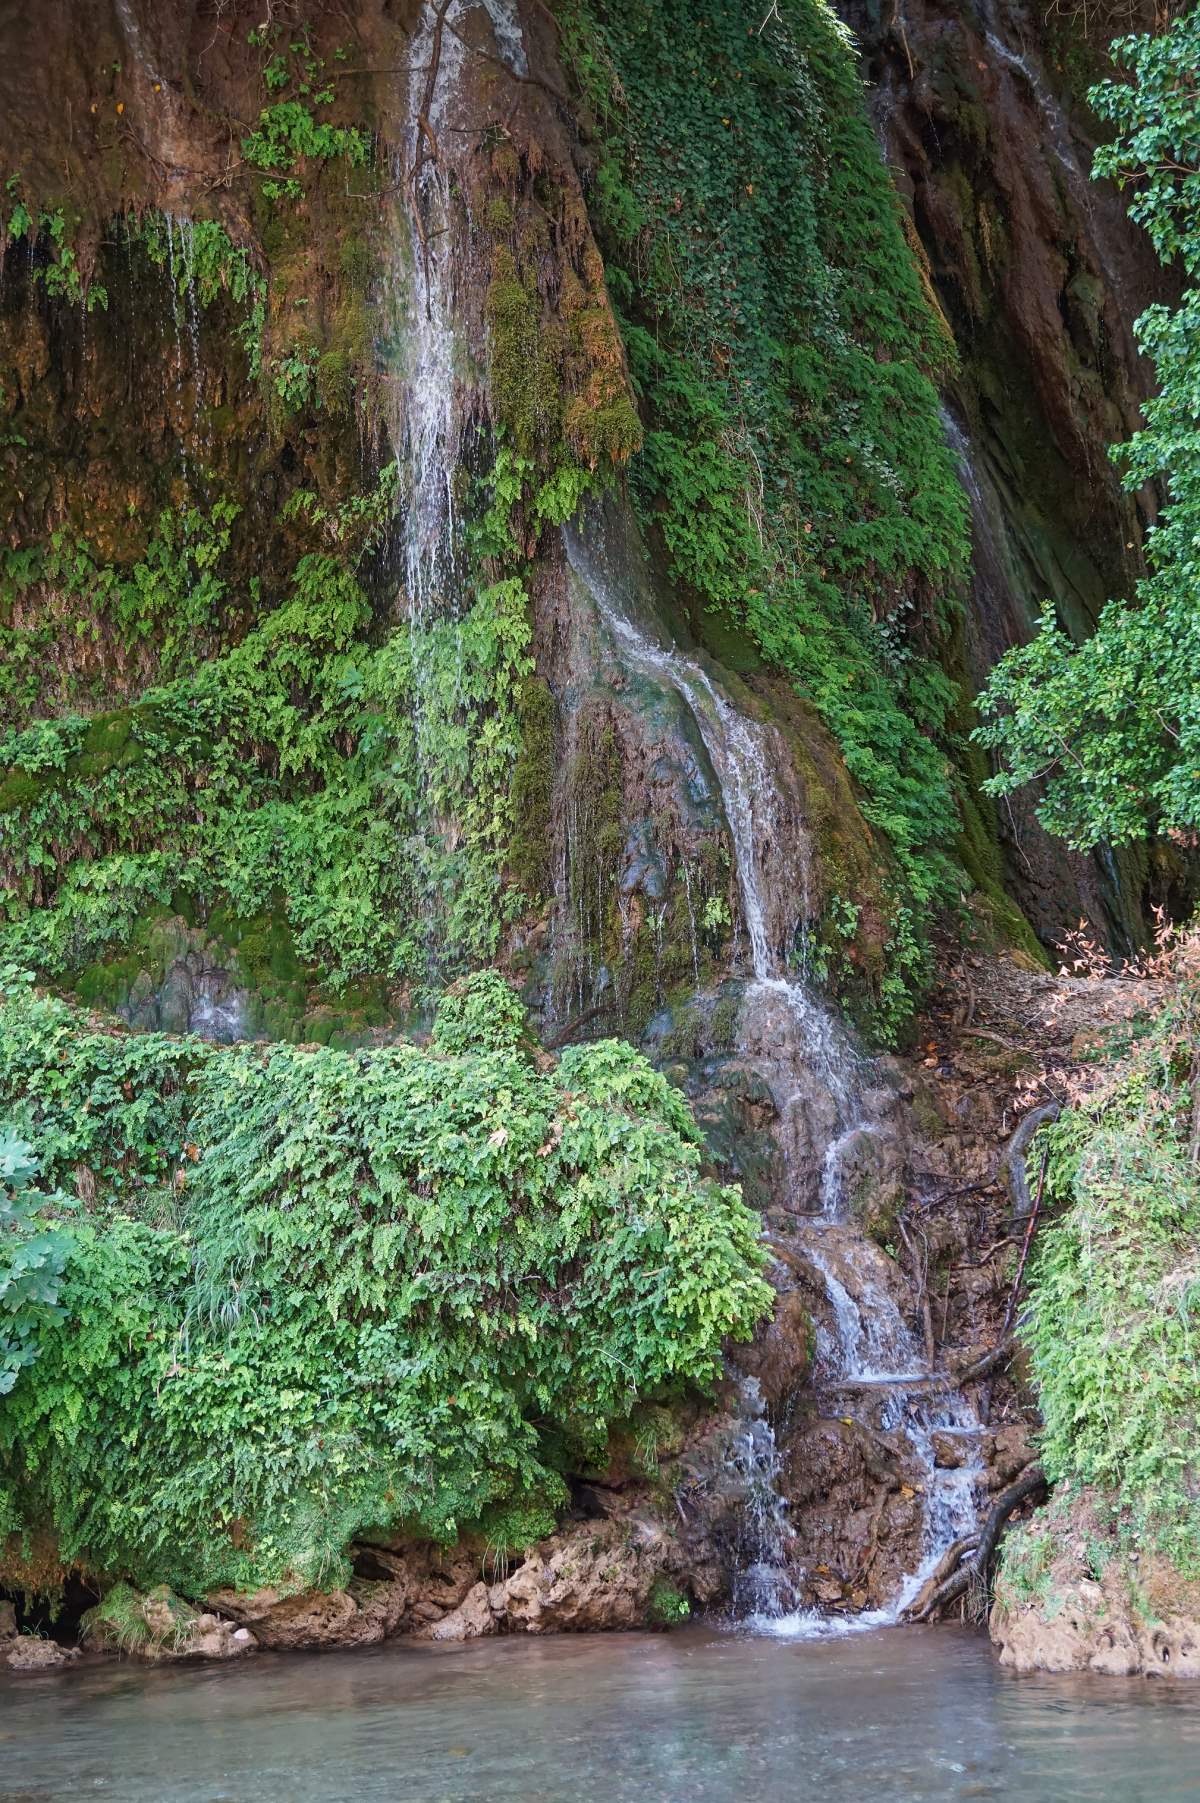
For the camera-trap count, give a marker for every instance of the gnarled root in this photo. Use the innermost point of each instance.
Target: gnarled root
(1012, 1159)
(941, 1591)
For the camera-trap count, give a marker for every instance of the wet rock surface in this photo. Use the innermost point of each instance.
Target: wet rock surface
(595, 1575)
(982, 115)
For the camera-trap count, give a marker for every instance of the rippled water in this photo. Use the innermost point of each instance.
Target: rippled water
(688, 1717)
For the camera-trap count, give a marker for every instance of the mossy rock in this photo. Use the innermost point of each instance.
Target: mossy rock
(20, 789)
(530, 854)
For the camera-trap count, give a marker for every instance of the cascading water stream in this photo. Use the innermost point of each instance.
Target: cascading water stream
(422, 350)
(868, 1346)
(868, 1343)
(738, 750)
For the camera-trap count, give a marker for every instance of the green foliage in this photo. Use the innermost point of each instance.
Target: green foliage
(172, 598)
(288, 130)
(200, 256)
(1112, 726)
(786, 353)
(480, 1010)
(33, 1253)
(405, 1290)
(58, 271)
(667, 1606)
(1114, 1308)
(357, 772)
(294, 376)
(144, 1626)
(200, 253)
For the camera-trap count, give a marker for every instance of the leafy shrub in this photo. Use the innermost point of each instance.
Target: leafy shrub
(323, 1292)
(1114, 1308)
(362, 774)
(33, 1252)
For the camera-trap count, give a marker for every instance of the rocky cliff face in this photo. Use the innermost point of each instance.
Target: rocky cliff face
(981, 113)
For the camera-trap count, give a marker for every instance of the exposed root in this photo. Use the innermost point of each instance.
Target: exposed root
(972, 1573)
(1012, 1159)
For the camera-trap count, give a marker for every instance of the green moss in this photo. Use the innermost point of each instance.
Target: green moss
(610, 433)
(335, 382)
(107, 983)
(533, 787)
(357, 262)
(124, 1621)
(522, 374)
(20, 789)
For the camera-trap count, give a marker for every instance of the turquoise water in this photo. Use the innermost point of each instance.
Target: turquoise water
(686, 1717)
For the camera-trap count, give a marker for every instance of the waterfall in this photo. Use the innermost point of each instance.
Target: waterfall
(425, 424)
(423, 351)
(827, 1079)
(742, 756)
(762, 1587)
(868, 1345)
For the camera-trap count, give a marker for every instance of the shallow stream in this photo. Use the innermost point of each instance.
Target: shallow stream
(695, 1716)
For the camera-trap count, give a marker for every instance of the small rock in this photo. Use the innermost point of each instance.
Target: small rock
(949, 1453)
(27, 1653)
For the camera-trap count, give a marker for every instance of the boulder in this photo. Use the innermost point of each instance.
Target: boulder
(29, 1653)
(160, 1627)
(596, 1575)
(950, 1451)
(1071, 1597)
(360, 1615)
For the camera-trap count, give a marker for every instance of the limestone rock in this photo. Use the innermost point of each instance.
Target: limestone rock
(1006, 1453)
(161, 1627)
(473, 1617)
(780, 1355)
(28, 1653)
(357, 1616)
(596, 1575)
(950, 1452)
(1069, 1598)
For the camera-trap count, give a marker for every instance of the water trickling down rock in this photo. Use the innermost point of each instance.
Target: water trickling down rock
(826, 1087)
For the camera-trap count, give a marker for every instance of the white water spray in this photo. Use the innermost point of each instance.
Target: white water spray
(868, 1343)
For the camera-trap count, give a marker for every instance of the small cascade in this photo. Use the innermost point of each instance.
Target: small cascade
(422, 351)
(866, 1345)
(426, 423)
(763, 1588)
(871, 1352)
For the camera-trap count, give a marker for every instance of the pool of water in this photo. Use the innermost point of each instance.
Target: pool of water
(686, 1717)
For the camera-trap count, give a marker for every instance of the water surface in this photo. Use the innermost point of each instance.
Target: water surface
(695, 1716)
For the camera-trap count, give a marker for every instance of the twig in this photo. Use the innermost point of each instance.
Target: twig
(567, 1033)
